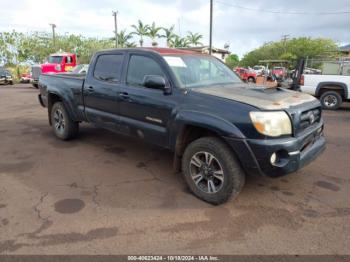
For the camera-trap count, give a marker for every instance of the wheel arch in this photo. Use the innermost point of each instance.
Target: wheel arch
(52, 98)
(194, 125)
(332, 86)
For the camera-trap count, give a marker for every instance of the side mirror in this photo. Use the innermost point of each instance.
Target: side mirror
(155, 82)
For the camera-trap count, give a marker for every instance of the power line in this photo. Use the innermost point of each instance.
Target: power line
(283, 12)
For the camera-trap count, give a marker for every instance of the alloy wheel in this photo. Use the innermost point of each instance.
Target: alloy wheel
(206, 172)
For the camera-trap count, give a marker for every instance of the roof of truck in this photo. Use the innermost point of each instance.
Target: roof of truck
(159, 50)
(170, 51)
(62, 54)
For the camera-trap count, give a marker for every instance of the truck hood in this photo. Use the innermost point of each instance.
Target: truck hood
(47, 68)
(258, 96)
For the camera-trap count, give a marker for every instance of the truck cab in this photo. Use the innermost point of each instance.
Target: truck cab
(56, 63)
(59, 63)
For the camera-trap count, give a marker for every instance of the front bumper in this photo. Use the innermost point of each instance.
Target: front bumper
(292, 153)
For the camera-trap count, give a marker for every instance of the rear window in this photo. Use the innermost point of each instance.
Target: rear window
(108, 68)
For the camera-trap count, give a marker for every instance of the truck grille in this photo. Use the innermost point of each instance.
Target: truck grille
(36, 72)
(309, 118)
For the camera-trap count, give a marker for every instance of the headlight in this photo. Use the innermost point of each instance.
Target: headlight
(271, 123)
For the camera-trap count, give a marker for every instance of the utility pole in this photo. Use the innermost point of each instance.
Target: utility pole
(211, 28)
(53, 34)
(115, 13)
(284, 40)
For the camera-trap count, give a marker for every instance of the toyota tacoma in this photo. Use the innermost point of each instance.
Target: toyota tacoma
(219, 128)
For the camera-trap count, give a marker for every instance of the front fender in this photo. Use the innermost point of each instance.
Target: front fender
(207, 121)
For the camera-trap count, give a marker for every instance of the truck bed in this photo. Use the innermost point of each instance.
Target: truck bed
(72, 87)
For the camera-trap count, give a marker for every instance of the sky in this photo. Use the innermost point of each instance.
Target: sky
(242, 28)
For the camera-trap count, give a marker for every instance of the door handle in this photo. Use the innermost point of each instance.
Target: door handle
(90, 89)
(124, 95)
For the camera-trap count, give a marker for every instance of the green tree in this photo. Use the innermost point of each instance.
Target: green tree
(169, 35)
(292, 50)
(141, 30)
(153, 33)
(232, 60)
(178, 42)
(194, 38)
(124, 39)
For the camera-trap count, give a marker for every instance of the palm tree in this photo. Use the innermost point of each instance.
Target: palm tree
(123, 38)
(153, 33)
(141, 30)
(169, 35)
(178, 41)
(194, 38)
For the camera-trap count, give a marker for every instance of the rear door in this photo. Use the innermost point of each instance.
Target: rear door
(101, 90)
(145, 112)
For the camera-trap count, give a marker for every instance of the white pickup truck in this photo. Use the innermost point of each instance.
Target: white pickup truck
(332, 90)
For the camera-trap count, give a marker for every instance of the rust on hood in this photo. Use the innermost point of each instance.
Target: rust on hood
(260, 97)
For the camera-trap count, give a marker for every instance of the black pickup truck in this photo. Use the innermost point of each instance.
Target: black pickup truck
(218, 127)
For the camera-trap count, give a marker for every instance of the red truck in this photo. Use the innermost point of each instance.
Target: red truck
(279, 72)
(56, 63)
(246, 74)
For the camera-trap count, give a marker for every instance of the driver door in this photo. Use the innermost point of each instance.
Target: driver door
(145, 112)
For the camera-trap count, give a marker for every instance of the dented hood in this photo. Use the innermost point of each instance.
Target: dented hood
(257, 96)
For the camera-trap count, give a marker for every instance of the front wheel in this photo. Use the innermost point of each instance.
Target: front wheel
(331, 100)
(211, 170)
(63, 126)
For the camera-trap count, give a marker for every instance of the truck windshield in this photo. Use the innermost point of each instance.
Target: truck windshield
(55, 59)
(200, 71)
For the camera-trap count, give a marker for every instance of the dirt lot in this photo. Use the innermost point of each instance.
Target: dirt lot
(107, 194)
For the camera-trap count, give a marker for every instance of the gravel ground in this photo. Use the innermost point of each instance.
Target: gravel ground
(107, 194)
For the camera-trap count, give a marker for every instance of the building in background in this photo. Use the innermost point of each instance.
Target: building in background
(222, 54)
(345, 49)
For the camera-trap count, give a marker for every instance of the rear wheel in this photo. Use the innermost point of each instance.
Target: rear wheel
(251, 80)
(211, 171)
(63, 126)
(331, 100)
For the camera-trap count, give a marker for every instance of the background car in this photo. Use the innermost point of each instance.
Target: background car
(5, 77)
(279, 72)
(246, 74)
(26, 78)
(259, 69)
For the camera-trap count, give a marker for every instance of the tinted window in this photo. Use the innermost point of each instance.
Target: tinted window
(108, 68)
(55, 59)
(139, 67)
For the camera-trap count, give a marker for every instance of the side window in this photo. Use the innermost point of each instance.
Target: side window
(69, 60)
(139, 67)
(108, 68)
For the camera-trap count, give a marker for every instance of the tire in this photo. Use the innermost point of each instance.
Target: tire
(232, 177)
(63, 126)
(251, 80)
(331, 100)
